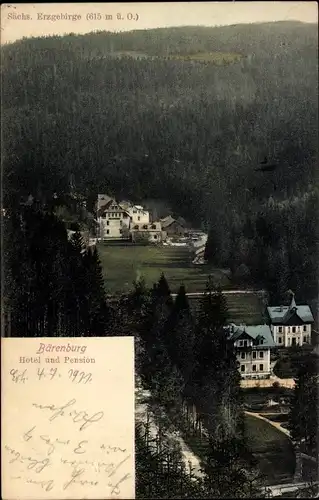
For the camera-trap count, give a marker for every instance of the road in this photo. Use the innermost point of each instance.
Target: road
(225, 292)
(279, 489)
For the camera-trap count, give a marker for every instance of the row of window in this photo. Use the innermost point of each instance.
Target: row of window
(244, 354)
(116, 215)
(293, 341)
(153, 226)
(244, 343)
(243, 368)
(293, 328)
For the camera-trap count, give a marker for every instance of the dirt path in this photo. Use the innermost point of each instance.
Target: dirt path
(274, 424)
(145, 416)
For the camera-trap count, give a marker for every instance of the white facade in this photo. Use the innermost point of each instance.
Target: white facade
(139, 215)
(114, 222)
(291, 325)
(287, 336)
(253, 362)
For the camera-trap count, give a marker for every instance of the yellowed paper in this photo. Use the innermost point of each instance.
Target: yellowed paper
(67, 418)
(45, 19)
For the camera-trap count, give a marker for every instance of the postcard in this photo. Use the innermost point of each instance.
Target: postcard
(67, 418)
(160, 188)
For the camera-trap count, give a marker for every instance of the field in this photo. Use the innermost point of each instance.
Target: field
(246, 309)
(122, 265)
(242, 308)
(272, 449)
(219, 58)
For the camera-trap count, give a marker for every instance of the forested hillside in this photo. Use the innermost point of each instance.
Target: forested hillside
(178, 114)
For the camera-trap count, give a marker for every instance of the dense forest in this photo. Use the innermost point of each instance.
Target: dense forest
(183, 115)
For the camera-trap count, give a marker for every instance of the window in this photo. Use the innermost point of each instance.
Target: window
(153, 226)
(293, 329)
(279, 340)
(145, 226)
(240, 343)
(134, 212)
(120, 231)
(121, 223)
(242, 368)
(124, 216)
(107, 223)
(254, 368)
(155, 236)
(304, 328)
(245, 342)
(288, 329)
(261, 354)
(305, 338)
(254, 354)
(261, 341)
(280, 329)
(243, 355)
(107, 231)
(261, 368)
(138, 218)
(103, 216)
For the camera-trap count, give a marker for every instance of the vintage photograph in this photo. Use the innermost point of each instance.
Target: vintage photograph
(159, 171)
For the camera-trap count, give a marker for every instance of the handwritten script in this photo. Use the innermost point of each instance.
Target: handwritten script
(62, 439)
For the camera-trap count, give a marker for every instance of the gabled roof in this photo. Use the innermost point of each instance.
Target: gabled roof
(283, 314)
(108, 205)
(255, 332)
(181, 221)
(103, 198)
(104, 205)
(125, 204)
(167, 221)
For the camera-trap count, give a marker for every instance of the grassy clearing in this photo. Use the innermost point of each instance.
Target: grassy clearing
(246, 309)
(124, 264)
(242, 308)
(219, 58)
(272, 449)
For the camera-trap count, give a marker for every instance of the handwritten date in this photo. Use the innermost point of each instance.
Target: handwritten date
(75, 376)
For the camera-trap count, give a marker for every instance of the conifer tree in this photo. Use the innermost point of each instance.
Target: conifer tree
(96, 309)
(303, 416)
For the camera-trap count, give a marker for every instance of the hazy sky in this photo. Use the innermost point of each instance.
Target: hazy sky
(104, 16)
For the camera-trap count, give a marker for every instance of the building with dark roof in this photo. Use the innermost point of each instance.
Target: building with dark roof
(291, 325)
(173, 227)
(253, 345)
